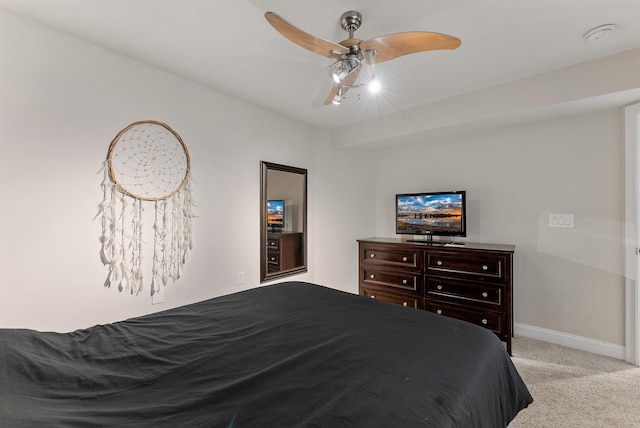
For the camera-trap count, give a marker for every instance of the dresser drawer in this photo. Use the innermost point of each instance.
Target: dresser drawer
(376, 276)
(494, 321)
(273, 261)
(401, 258)
(398, 299)
(478, 266)
(466, 291)
(273, 255)
(273, 243)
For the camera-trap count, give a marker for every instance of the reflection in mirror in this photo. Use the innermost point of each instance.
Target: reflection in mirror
(283, 221)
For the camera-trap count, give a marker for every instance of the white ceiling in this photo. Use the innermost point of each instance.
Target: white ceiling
(228, 45)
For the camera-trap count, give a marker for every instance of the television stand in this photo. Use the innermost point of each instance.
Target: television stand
(429, 240)
(284, 251)
(473, 283)
(454, 244)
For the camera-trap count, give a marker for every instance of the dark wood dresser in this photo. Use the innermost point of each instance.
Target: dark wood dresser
(284, 251)
(473, 282)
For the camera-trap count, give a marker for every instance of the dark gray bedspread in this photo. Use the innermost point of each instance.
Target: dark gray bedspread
(285, 355)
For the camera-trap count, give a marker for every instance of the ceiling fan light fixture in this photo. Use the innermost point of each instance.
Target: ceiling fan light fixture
(337, 98)
(342, 68)
(337, 76)
(375, 86)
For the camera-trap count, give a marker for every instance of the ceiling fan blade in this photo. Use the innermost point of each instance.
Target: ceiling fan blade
(302, 39)
(396, 45)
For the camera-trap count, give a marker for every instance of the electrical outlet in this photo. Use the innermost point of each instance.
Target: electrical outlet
(158, 296)
(561, 220)
(240, 278)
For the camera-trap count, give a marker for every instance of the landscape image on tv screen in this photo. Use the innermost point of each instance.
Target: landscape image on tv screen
(430, 214)
(275, 213)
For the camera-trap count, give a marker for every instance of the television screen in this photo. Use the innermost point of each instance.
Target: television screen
(275, 213)
(432, 213)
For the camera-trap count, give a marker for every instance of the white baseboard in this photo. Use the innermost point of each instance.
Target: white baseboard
(570, 340)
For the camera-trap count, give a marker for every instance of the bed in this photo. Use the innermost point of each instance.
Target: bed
(292, 354)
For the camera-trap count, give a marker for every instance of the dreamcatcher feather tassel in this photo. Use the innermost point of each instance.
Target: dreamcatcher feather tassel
(147, 161)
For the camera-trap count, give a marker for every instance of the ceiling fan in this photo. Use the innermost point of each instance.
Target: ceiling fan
(352, 55)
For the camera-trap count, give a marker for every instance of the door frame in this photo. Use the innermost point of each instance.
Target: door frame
(632, 232)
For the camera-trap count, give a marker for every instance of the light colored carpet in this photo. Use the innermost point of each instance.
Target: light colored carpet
(573, 388)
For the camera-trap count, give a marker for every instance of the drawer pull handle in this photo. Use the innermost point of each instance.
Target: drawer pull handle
(439, 262)
(404, 281)
(439, 287)
(485, 294)
(485, 267)
(404, 259)
(439, 312)
(405, 304)
(372, 255)
(484, 321)
(372, 276)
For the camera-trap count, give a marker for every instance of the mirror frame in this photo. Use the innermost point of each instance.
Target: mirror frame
(265, 167)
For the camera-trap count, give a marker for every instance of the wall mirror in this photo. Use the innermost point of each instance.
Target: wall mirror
(283, 221)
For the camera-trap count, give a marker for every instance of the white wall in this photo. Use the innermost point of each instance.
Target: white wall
(62, 103)
(344, 212)
(566, 280)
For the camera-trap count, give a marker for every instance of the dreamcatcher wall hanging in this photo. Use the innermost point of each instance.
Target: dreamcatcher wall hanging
(147, 162)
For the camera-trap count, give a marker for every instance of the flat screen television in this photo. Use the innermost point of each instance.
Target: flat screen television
(275, 213)
(431, 213)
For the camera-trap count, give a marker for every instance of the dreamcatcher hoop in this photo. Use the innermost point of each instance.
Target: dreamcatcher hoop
(146, 161)
(135, 154)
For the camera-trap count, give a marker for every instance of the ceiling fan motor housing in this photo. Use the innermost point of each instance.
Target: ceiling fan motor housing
(351, 21)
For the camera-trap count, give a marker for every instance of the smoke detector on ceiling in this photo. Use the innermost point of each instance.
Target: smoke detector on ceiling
(599, 33)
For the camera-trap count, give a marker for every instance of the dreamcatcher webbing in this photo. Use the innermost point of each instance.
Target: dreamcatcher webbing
(147, 161)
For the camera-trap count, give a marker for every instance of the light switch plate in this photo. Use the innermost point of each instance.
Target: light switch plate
(561, 220)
